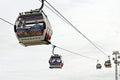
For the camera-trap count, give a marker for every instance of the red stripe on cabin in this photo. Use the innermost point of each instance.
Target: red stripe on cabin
(30, 18)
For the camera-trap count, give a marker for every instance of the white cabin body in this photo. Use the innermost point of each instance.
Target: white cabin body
(33, 28)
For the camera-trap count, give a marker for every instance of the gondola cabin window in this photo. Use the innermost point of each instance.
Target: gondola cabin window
(31, 29)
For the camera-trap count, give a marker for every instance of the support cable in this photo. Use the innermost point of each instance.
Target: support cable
(76, 29)
(56, 46)
(74, 52)
(7, 21)
(56, 13)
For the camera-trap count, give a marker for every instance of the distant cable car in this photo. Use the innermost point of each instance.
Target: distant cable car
(33, 28)
(55, 60)
(108, 63)
(98, 66)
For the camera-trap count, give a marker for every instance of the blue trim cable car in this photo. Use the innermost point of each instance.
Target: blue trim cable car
(108, 63)
(55, 60)
(98, 66)
(33, 28)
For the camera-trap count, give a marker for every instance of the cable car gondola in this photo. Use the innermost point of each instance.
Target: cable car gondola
(98, 66)
(107, 63)
(55, 61)
(33, 28)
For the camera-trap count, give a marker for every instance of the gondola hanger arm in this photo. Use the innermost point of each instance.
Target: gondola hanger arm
(53, 49)
(42, 5)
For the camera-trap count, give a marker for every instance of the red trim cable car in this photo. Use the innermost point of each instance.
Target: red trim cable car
(55, 61)
(33, 28)
(98, 66)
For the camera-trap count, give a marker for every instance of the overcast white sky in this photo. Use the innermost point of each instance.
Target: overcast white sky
(97, 19)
